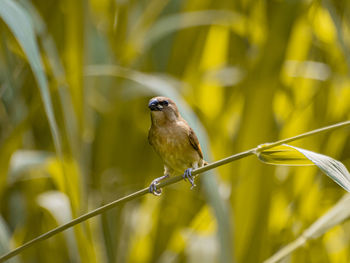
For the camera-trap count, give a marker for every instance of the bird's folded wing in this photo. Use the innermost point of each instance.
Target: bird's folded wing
(194, 142)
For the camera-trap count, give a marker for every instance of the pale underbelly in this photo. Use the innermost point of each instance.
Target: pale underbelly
(180, 157)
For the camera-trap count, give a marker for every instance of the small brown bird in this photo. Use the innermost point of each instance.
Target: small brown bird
(174, 141)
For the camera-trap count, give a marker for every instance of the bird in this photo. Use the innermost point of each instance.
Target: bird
(174, 141)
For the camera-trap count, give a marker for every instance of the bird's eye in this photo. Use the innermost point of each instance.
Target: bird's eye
(165, 103)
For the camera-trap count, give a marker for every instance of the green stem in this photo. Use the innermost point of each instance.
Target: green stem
(74, 222)
(171, 180)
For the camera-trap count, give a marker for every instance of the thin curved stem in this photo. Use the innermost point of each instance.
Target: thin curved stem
(167, 182)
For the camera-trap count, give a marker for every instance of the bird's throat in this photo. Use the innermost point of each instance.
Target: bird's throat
(161, 118)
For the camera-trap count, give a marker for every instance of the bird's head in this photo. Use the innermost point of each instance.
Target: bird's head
(163, 110)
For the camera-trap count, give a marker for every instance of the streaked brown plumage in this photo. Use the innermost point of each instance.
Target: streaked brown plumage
(174, 141)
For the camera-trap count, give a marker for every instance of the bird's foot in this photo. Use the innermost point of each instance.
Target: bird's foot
(188, 175)
(153, 187)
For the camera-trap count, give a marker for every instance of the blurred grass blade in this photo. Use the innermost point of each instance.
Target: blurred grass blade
(23, 161)
(58, 205)
(55, 64)
(338, 213)
(291, 155)
(176, 22)
(337, 20)
(5, 239)
(156, 84)
(20, 24)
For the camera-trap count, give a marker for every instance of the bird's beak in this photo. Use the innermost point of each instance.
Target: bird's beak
(154, 105)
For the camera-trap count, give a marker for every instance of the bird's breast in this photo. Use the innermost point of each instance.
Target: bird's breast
(174, 147)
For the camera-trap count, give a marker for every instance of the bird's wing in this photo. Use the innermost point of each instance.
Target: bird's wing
(195, 143)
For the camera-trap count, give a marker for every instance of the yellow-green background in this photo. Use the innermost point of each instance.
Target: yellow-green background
(242, 72)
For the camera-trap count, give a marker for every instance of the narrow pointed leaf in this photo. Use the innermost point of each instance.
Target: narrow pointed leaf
(291, 155)
(336, 215)
(20, 24)
(331, 167)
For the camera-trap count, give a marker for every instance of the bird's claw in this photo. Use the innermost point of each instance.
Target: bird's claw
(153, 188)
(188, 175)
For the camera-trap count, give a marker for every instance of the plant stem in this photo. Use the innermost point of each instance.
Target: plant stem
(286, 250)
(169, 181)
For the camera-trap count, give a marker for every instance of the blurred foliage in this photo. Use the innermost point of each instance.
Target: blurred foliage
(75, 79)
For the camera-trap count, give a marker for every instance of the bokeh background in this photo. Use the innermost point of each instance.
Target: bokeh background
(75, 80)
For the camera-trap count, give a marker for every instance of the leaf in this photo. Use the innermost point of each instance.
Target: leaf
(337, 20)
(57, 204)
(23, 161)
(156, 84)
(54, 63)
(335, 216)
(5, 239)
(20, 24)
(176, 22)
(338, 213)
(291, 155)
(283, 155)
